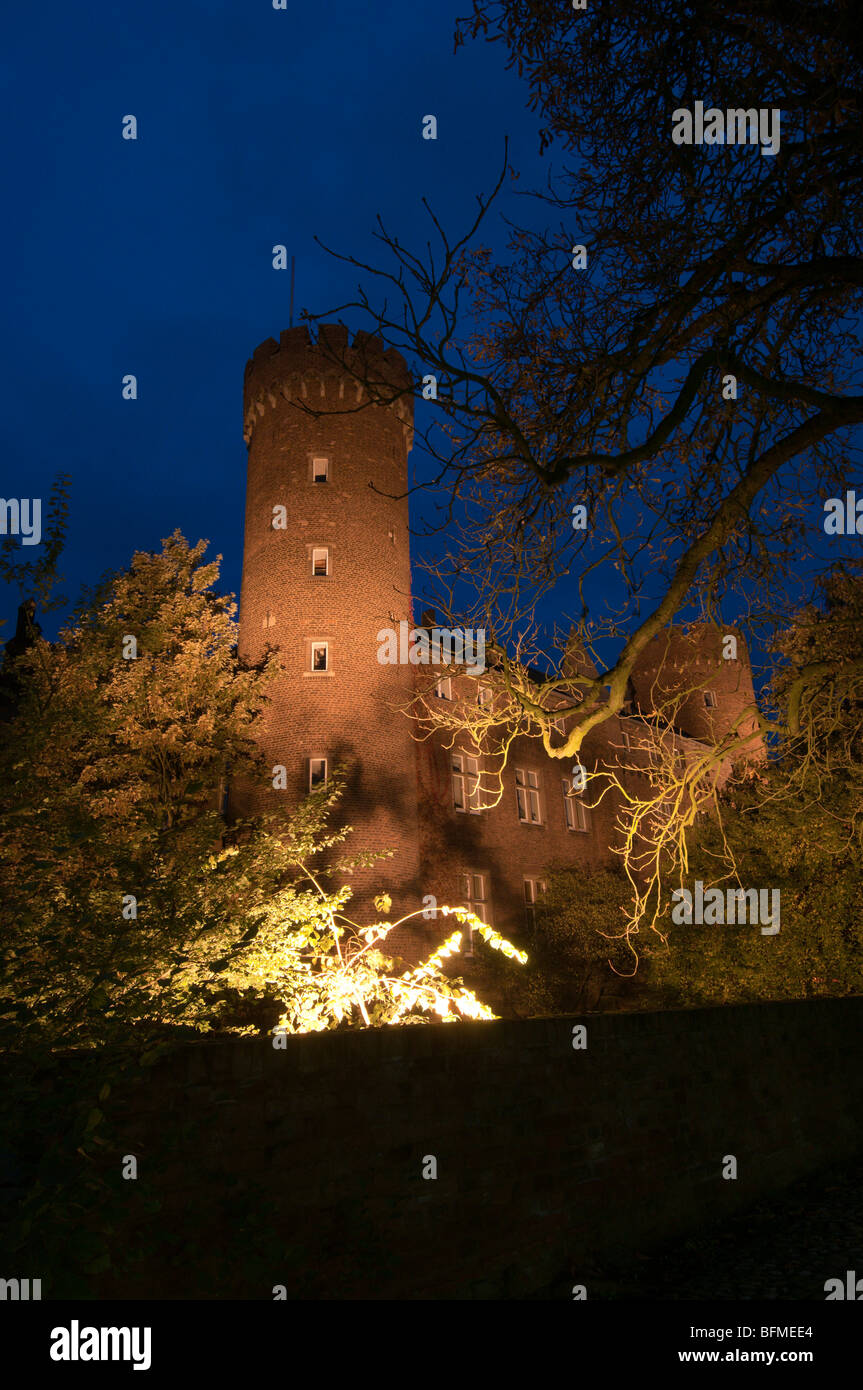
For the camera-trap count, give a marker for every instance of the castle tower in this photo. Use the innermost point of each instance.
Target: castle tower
(326, 566)
(706, 678)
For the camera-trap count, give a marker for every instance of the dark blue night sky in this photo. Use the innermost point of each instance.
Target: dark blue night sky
(255, 127)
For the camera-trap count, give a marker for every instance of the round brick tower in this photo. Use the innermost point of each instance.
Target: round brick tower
(715, 688)
(326, 566)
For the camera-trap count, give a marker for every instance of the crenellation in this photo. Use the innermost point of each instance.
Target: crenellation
(296, 368)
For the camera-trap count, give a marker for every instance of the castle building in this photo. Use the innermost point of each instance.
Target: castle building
(326, 567)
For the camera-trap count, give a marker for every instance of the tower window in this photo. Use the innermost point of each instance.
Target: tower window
(710, 699)
(320, 560)
(320, 656)
(317, 773)
(627, 741)
(558, 726)
(465, 783)
(483, 696)
(476, 898)
(443, 689)
(527, 796)
(392, 535)
(269, 618)
(574, 809)
(320, 470)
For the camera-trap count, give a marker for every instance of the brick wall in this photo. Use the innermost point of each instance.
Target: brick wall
(303, 1167)
(301, 401)
(494, 841)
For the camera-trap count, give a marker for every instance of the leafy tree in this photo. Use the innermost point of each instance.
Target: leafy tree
(37, 579)
(798, 829)
(577, 960)
(804, 851)
(128, 899)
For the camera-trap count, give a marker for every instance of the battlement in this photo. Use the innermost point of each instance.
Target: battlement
(330, 375)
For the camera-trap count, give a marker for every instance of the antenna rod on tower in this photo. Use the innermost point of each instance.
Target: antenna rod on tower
(293, 260)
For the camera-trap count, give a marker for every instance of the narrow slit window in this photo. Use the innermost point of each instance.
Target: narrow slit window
(320, 561)
(320, 470)
(317, 773)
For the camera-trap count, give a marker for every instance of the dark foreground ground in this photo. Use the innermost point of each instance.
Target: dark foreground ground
(786, 1248)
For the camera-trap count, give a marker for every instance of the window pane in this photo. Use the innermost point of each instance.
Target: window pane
(532, 780)
(319, 561)
(478, 887)
(519, 777)
(319, 658)
(522, 806)
(320, 469)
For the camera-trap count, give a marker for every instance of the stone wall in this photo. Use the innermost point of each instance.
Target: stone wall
(303, 1167)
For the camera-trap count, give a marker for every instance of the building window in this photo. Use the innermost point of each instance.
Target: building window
(320, 560)
(534, 889)
(527, 796)
(465, 783)
(320, 470)
(483, 696)
(443, 689)
(627, 742)
(577, 814)
(392, 535)
(317, 773)
(477, 899)
(710, 699)
(320, 656)
(269, 618)
(558, 726)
